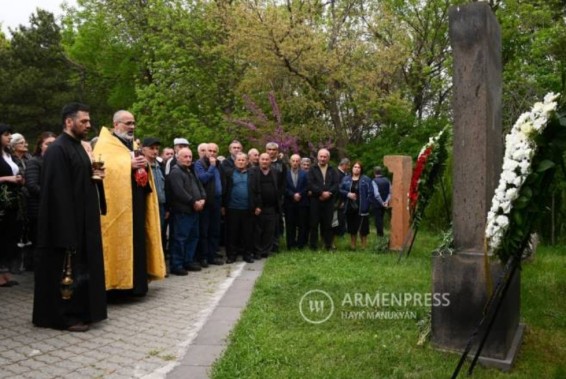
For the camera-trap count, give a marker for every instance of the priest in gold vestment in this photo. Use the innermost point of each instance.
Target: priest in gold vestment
(131, 234)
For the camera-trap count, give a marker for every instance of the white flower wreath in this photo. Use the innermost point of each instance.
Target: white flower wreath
(520, 147)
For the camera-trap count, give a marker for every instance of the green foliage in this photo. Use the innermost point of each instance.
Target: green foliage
(533, 36)
(369, 78)
(35, 77)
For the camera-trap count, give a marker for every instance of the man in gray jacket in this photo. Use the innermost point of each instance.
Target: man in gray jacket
(186, 198)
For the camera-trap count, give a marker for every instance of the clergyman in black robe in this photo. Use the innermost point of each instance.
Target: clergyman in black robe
(71, 203)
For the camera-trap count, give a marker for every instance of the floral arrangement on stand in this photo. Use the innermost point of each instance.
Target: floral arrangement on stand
(533, 150)
(428, 170)
(426, 174)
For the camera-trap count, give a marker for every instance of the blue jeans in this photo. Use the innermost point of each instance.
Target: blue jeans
(184, 239)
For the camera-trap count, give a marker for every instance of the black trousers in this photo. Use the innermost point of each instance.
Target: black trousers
(265, 226)
(321, 215)
(296, 225)
(240, 237)
(379, 212)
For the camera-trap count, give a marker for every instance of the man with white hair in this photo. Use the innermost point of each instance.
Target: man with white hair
(131, 232)
(295, 204)
(323, 185)
(186, 198)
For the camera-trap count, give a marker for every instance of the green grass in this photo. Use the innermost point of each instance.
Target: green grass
(272, 340)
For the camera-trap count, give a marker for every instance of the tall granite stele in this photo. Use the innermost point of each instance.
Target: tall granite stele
(478, 155)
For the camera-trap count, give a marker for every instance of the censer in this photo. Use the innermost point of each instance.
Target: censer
(67, 277)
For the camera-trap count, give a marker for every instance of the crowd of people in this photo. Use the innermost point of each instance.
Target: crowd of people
(106, 217)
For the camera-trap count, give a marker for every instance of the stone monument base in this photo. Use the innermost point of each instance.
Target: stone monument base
(462, 278)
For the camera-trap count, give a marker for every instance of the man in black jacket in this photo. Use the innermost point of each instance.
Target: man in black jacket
(186, 198)
(323, 186)
(266, 197)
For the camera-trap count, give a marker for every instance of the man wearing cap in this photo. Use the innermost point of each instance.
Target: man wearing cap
(150, 151)
(131, 235)
(178, 144)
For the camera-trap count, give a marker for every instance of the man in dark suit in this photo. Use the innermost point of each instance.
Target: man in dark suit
(295, 204)
(323, 185)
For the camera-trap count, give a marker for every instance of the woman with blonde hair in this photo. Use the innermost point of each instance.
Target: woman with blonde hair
(11, 181)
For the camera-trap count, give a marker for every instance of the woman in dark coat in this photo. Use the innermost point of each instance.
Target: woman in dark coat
(356, 190)
(33, 187)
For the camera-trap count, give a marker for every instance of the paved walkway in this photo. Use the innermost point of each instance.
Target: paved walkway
(177, 330)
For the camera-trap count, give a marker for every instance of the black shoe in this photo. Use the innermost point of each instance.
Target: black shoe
(193, 267)
(248, 259)
(78, 327)
(216, 261)
(264, 255)
(257, 257)
(203, 264)
(180, 272)
(230, 260)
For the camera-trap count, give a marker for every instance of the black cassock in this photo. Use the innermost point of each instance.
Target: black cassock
(69, 219)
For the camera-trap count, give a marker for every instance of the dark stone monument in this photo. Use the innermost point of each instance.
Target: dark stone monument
(478, 154)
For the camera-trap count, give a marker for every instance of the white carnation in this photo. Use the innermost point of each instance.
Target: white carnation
(539, 123)
(525, 167)
(494, 206)
(549, 107)
(519, 180)
(550, 97)
(505, 206)
(508, 176)
(510, 164)
(537, 107)
(511, 194)
(527, 128)
(502, 221)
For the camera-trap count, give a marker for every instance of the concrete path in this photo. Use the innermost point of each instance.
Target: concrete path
(176, 331)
